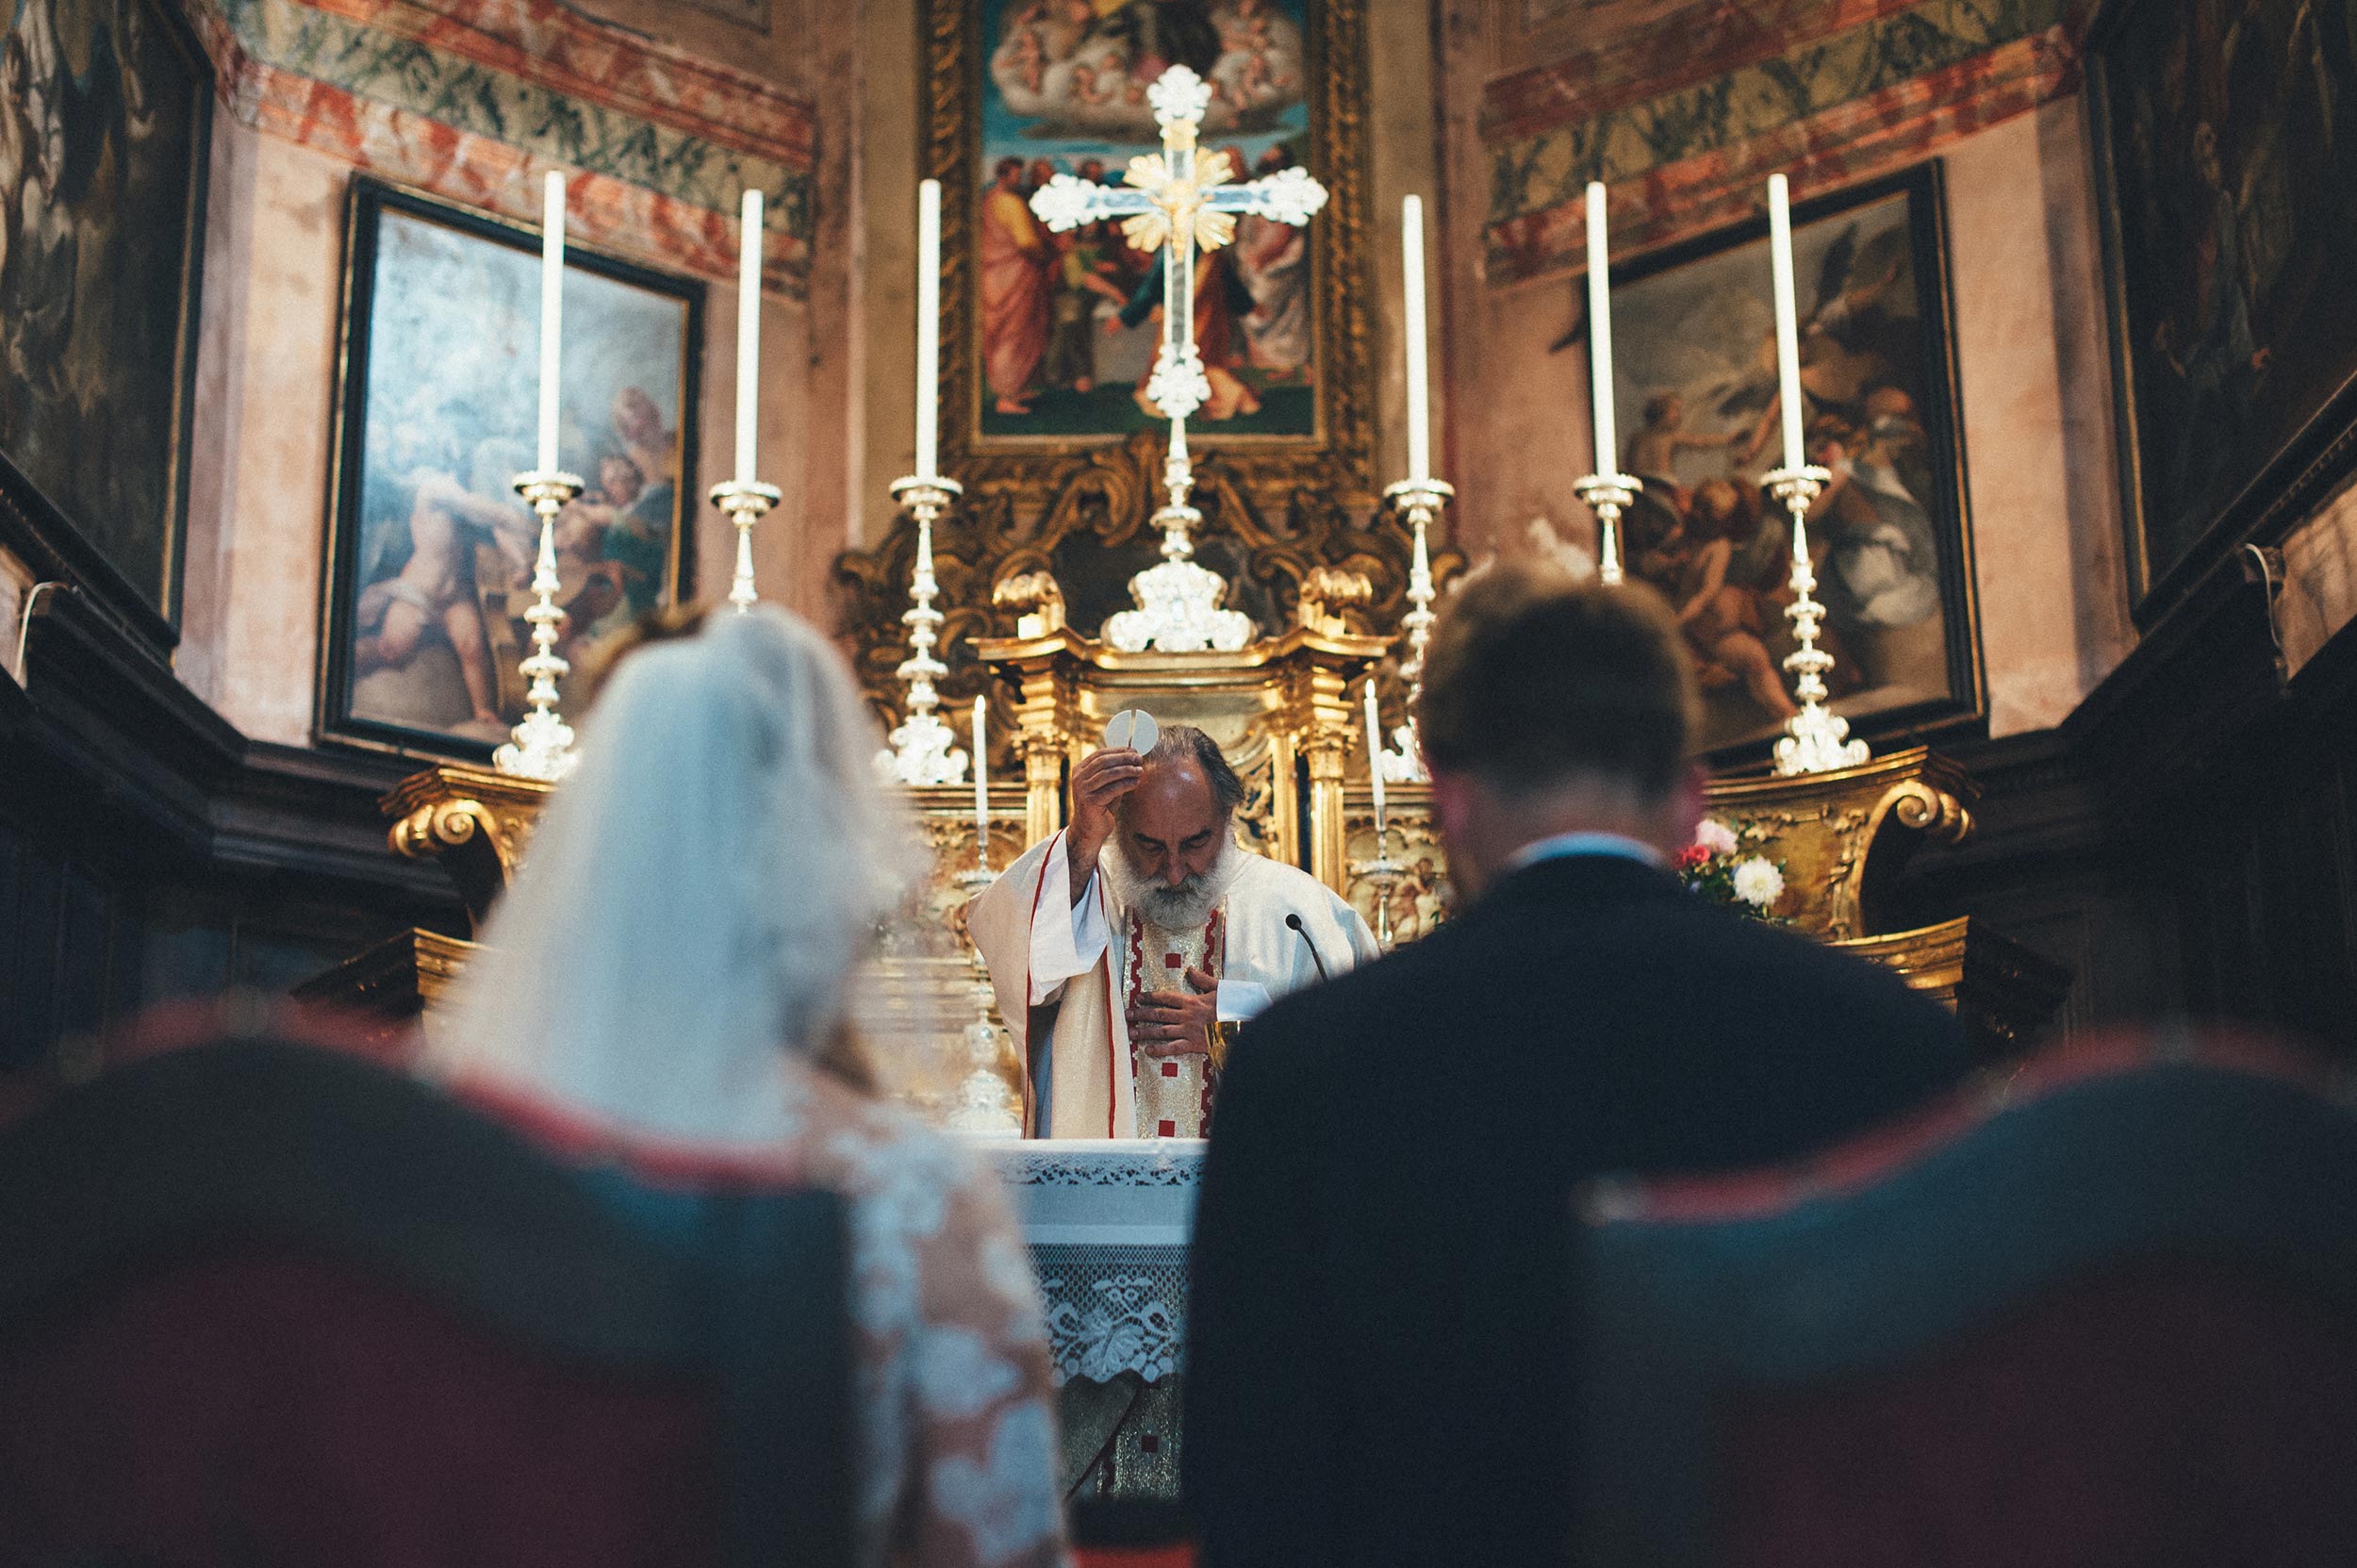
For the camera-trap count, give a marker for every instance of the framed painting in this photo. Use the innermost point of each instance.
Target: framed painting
(105, 112)
(1694, 371)
(1047, 339)
(431, 553)
(2224, 133)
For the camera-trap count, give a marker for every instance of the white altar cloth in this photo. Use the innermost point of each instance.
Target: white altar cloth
(1107, 1222)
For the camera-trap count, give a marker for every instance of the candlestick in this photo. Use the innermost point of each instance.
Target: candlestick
(1420, 502)
(551, 311)
(1600, 335)
(1419, 392)
(1788, 319)
(745, 501)
(928, 324)
(542, 747)
(923, 749)
(1608, 495)
(1816, 740)
(747, 334)
(1374, 760)
(981, 791)
(1607, 491)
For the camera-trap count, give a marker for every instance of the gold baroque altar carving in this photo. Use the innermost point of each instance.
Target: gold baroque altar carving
(1842, 837)
(1015, 561)
(1276, 708)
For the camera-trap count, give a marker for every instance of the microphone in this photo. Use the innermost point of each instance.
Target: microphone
(1295, 922)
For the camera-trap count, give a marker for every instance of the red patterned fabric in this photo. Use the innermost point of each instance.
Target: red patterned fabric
(2161, 1416)
(2099, 1310)
(1181, 1555)
(275, 1410)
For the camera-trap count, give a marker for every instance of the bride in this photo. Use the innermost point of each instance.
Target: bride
(669, 972)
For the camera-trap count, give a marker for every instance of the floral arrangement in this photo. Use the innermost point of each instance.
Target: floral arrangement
(1716, 867)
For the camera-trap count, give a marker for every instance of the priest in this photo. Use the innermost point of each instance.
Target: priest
(1117, 945)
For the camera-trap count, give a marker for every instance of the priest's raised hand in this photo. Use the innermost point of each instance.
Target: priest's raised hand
(1104, 776)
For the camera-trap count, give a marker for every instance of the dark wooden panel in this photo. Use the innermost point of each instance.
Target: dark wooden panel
(149, 851)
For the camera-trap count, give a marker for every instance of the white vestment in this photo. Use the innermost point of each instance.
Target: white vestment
(1042, 950)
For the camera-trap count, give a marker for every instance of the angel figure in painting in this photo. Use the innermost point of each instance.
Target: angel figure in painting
(1852, 342)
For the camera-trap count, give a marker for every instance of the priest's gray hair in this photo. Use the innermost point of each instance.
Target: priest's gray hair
(697, 894)
(1184, 743)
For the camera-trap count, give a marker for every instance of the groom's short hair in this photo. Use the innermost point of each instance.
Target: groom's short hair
(1534, 678)
(1185, 743)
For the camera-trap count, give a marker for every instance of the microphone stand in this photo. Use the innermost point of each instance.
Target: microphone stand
(1298, 930)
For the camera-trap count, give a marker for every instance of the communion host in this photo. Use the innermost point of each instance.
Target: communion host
(1378, 1360)
(1116, 944)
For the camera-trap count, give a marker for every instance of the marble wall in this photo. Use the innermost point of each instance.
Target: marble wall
(658, 113)
(1534, 106)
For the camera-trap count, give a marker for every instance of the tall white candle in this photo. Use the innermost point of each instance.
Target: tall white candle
(981, 784)
(551, 310)
(748, 337)
(1600, 335)
(928, 322)
(1787, 316)
(1374, 755)
(1419, 391)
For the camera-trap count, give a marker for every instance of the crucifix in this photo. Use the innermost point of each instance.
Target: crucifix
(1176, 203)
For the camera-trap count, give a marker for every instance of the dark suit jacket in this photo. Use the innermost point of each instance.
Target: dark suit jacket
(1377, 1369)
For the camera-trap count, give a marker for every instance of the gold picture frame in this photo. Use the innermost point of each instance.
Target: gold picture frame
(1024, 473)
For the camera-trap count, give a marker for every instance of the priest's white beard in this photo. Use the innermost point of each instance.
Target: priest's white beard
(1187, 906)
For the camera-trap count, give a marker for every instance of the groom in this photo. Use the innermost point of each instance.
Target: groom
(1116, 944)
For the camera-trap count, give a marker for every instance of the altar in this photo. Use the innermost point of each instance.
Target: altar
(1107, 1224)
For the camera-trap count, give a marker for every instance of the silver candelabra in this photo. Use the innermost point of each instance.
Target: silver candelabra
(923, 749)
(1608, 495)
(1419, 502)
(543, 745)
(982, 1098)
(1384, 872)
(746, 502)
(1816, 740)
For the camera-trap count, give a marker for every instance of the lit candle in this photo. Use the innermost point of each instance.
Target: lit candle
(1787, 316)
(928, 322)
(551, 311)
(982, 785)
(747, 334)
(1419, 393)
(1600, 335)
(1375, 760)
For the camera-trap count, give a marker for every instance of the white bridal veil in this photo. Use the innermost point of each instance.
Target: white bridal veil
(697, 895)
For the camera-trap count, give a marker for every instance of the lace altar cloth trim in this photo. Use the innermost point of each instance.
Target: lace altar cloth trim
(1107, 1222)
(1112, 1192)
(1114, 1309)
(1099, 1161)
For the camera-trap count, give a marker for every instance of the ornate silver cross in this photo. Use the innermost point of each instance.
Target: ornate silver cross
(1177, 202)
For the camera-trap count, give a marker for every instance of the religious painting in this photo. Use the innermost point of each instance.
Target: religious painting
(1048, 338)
(432, 555)
(1067, 324)
(104, 107)
(1694, 371)
(2227, 132)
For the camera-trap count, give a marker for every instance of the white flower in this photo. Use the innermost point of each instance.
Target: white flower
(1759, 882)
(1715, 836)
